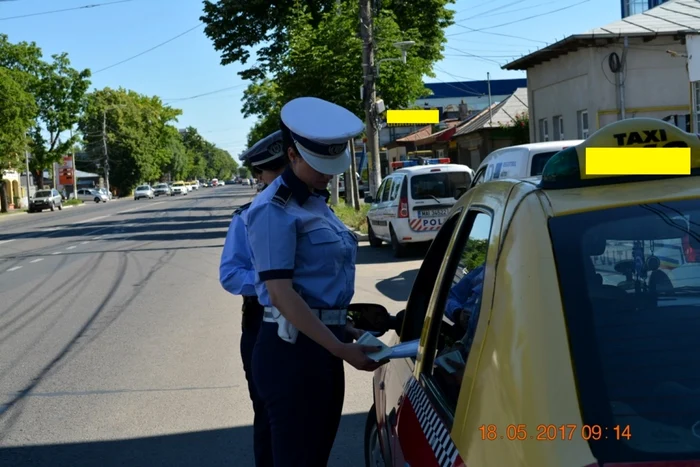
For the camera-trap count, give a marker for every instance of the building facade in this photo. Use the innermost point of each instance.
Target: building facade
(621, 70)
(634, 7)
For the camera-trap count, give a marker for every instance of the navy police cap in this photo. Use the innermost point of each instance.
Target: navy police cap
(267, 149)
(321, 131)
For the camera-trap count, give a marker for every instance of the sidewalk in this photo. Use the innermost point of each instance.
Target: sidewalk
(18, 212)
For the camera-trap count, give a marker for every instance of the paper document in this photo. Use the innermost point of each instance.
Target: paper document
(403, 350)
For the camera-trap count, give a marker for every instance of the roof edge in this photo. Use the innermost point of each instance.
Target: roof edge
(573, 43)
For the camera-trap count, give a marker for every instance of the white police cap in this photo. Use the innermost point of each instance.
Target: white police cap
(321, 130)
(266, 150)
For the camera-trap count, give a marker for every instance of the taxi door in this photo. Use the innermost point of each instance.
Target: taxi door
(376, 213)
(420, 409)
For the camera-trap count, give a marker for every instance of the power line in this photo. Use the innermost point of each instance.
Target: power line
(479, 57)
(84, 7)
(519, 9)
(149, 50)
(483, 13)
(206, 93)
(470, 30)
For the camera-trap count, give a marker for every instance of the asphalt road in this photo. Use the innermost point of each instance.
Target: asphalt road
(118, 346)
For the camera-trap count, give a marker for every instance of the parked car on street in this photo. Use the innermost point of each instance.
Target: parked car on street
(46, 199)
(161, 189)
(92, 194)
(412, 203)
(552, 322)
(143, 191)
(105, 192)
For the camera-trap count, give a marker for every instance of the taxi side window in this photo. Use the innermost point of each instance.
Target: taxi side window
(461, 310)
(387, 189)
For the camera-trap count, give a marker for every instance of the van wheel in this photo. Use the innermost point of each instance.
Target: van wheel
(373, 449)
(399, 249)
(373, 240)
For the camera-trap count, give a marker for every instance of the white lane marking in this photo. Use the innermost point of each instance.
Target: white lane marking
(98, 237)
(70, 247)
(91, 220)
(136, 209)
(37, 260)
(128, 210)
(7, 241)
(84, 243)
(56, 253)
(14, 269)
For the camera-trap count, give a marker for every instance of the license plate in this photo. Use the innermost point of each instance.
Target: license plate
(433, 213)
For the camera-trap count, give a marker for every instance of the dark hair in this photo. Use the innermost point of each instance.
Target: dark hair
(275, 164)
(287, 140)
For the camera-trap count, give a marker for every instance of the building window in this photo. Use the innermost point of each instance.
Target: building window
(558, 128)
(544, 130)
(582, 124)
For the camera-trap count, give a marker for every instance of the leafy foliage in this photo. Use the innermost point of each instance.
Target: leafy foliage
(474, 254)
(519, 130)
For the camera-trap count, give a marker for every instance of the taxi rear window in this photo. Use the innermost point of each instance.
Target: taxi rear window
(438, 185)
(630, 284)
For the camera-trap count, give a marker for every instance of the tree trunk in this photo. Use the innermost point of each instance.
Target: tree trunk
(4, 205)
(38, 179)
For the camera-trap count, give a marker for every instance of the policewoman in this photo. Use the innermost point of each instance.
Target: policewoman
(267, 160)
(304, 257)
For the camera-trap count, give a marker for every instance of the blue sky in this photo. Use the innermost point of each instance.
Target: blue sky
(189, 66)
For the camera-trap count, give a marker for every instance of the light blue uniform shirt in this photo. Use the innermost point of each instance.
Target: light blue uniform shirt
(465, 293)
(293, 234)
(236, 272)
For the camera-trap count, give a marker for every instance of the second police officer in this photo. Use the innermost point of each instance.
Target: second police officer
(304, 257)
(267, 161)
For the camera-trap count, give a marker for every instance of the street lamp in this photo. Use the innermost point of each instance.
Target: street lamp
(403, 46)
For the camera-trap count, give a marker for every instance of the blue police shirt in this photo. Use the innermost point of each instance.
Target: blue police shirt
(293, 234)
(236, 272)
(465, 293)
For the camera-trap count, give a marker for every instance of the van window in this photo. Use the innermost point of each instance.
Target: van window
(630, 284)
(438, 185)
(539, 161)
(396, 186)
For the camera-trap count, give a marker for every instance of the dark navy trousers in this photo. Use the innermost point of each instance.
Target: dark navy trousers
(262, 438)
(303, 387)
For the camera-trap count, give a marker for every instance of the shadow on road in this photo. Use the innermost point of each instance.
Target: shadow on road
(212, 448)
(398, 288)
(369, 255)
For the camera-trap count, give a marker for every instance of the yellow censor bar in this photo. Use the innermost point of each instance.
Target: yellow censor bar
(415, 117)
(637, 161)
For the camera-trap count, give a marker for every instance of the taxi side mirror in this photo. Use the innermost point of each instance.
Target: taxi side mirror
(374, 317)
(369, 199)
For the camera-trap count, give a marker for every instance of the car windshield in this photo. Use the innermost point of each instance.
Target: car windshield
(43, 194)
(143, 188)
(178, 184)
(438, 185)
(630, 282)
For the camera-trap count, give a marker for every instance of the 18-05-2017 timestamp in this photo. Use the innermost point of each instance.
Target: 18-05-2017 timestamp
(555, 432)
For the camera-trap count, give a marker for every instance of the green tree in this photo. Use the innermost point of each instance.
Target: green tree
(519, 129)
(237, 26)
(474, 254)
(324, 60)
(16, 118)
(59, 93)
(141, 141)
(206, 159)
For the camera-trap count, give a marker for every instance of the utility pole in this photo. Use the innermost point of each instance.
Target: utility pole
(370, 94)
(26, 161)
(488, 81)
(355, 193)
(104, 142)
(75, 177)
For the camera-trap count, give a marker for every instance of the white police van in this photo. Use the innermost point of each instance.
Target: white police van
(412, 203)
(522, 161)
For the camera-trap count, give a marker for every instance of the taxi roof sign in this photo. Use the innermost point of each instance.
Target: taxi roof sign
(627, 150)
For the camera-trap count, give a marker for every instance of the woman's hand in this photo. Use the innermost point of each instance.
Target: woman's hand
(352, 331)
(356, 355)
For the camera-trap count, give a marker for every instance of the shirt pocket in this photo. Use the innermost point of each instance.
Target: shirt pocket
(322, 237)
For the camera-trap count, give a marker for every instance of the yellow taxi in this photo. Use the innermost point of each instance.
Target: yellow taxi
(557, 319)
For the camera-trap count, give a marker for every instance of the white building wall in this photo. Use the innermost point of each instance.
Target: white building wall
(656, 85)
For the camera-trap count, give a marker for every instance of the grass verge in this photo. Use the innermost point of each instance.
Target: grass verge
(354, 219)
(73, 202)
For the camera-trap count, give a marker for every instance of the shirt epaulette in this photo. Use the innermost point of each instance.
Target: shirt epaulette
(282, 195)
(241, 209)
(331, 209)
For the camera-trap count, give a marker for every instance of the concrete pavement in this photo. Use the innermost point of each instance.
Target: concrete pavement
(118, 346)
